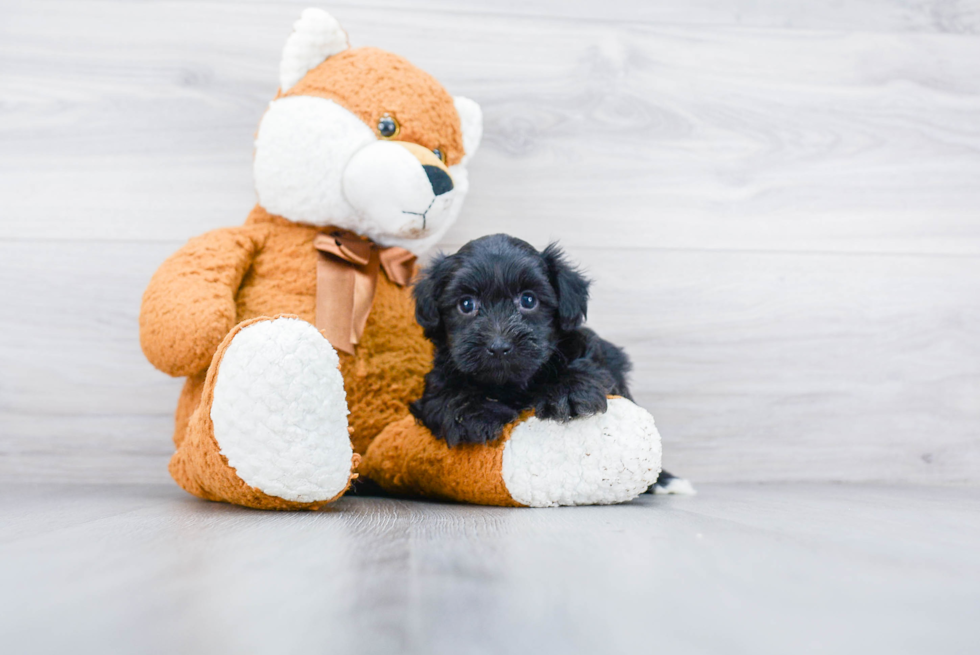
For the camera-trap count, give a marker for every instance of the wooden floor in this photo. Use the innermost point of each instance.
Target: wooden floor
(736, 569)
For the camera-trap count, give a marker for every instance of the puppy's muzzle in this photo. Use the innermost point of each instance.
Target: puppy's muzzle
(500, 347)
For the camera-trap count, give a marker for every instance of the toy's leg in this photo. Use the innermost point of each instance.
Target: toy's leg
(271, 428)
(598, 460)
(190, 400)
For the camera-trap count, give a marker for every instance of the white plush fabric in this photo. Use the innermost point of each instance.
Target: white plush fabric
(471, 123)
(280, 411)
(301, 150)
(316, 36)
(388, 187)
(440, 216)
(597, 460)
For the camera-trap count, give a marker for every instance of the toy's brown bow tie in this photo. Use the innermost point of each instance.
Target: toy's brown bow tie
(346, 279)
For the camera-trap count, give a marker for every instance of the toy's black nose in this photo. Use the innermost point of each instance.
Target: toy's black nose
(439, 179)
(499, 347)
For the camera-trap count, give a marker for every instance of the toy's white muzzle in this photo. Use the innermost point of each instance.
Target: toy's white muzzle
(401, 188)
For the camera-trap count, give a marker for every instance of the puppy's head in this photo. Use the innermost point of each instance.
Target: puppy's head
(498, 307)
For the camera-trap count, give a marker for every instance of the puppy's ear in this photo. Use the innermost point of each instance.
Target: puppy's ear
(428, 287)
(571, 287)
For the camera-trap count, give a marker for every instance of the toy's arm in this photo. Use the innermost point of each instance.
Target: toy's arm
(189, 305)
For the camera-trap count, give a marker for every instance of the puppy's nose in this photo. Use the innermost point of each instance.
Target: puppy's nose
(500, 347)
(439, 179)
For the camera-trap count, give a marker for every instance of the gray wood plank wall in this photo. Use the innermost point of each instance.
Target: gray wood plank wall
(779, 202)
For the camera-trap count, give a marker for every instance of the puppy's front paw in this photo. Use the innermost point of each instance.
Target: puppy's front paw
(587, 400)
(563, 403)
(479, 423)
(553, 406)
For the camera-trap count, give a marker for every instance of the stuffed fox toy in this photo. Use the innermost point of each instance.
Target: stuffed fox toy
(296, 330)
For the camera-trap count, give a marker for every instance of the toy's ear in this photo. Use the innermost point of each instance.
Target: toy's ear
(427, 290)
(571, 287)
(316, 36)
(471, 122)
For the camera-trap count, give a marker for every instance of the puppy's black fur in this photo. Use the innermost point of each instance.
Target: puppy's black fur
(506, 322)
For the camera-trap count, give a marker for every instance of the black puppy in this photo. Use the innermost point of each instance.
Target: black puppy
(506, 322)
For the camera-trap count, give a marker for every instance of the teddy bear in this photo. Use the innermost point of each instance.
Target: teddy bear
(296, 331)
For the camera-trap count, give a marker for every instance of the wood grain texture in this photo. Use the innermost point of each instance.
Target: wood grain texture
(957, 17)
(764, 569)
(778, 200)
(599, 132)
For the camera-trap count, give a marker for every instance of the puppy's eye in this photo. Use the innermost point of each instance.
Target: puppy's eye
(528, 300)
(440, 154)
(467, 305)
(388, 127)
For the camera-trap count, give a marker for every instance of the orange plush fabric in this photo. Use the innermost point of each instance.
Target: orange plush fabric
(405, 459)
(226, 278)
(199, 467)
(371, 82)
(272, 264)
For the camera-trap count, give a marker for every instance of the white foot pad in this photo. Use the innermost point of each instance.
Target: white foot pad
(597, 460)
(280, 411)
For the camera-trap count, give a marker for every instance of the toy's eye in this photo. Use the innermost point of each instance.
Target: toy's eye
(388, 127)
(440, 154)
(528, 300)
(467, 305)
